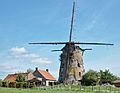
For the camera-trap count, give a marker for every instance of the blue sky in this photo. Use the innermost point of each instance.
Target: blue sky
(24, 21)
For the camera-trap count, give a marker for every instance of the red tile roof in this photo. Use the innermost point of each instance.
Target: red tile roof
(116, 81)
(10, 78)
(46, 75)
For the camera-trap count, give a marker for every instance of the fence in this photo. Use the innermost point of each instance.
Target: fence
(80, 89)
(86, 89)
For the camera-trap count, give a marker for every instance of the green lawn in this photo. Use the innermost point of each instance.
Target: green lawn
(65, 89)
(11, 90)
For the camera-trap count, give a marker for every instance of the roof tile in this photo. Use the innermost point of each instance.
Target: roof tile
(10, 78)
(46, 75)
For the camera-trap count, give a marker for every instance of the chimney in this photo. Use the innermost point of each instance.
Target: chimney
(47, 70)
(36, 68)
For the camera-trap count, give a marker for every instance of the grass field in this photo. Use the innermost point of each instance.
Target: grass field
(63, 90)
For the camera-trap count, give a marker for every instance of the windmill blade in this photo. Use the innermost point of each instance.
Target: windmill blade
(53, 43)
(87, 49)
(55, 50)
(72, 20)
(92, 43)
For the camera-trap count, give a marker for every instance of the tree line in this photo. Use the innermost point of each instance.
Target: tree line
(90, 78)
(93, 77)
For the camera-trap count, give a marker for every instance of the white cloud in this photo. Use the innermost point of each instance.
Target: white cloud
(22, 54)
(41, 61)
(18, 51)
(6, 67)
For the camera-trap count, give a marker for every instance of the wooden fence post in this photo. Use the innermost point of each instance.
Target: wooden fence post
(110, 89)
(92, 89)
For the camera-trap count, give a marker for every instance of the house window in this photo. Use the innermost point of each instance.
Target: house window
(43, 83)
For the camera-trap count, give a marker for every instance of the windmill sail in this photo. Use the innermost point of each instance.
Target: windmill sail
(71, 27)
(81, 43)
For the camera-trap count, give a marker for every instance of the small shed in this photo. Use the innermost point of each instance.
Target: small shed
(116, 83)
(35, 81)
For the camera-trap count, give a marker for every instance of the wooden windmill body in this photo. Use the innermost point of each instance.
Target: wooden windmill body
(71, 66)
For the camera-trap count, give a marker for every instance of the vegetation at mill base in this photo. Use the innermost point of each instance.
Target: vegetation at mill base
(91, 78)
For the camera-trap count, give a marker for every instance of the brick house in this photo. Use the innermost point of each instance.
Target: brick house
(38, 77)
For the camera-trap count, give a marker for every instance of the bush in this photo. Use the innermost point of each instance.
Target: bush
(25, 84)
(18, 85)
(91, 78)
(12, 84)
(20, 78)
(4, 84)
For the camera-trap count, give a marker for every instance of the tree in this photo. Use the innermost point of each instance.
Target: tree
(91, 78)
(20, 78)
(106, 76)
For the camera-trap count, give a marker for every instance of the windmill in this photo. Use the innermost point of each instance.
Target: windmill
(71, 66)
